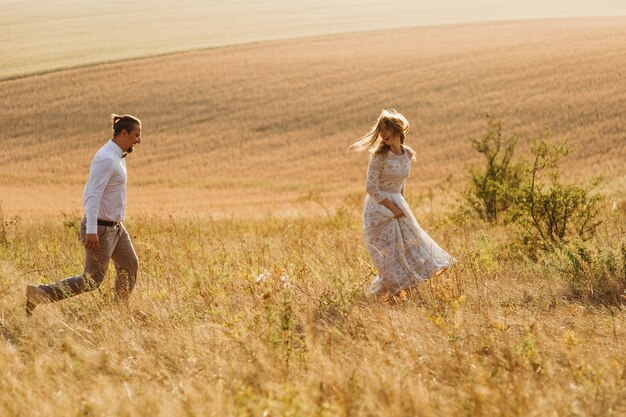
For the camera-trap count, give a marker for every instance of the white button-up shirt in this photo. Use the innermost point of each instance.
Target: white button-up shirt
(105, 193)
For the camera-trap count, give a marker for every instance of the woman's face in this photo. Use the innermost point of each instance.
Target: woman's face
(389, 137)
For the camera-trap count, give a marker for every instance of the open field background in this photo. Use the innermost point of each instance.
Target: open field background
(500, 335)
(38, 36)
(243, 146)
(252, 130)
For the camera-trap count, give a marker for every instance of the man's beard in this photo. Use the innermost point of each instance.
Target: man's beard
(130, 149)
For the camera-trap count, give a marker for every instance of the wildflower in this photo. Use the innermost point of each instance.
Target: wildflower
(284, 280)
(263, 275)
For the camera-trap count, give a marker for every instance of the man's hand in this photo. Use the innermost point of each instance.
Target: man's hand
(92, 242)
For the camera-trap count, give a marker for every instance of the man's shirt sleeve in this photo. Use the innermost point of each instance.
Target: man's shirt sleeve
(100, 173)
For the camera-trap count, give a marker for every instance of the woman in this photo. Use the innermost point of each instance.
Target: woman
(402, 252)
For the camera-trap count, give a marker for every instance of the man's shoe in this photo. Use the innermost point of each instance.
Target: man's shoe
(34, 297)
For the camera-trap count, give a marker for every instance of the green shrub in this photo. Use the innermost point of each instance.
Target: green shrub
(488, 191)
(547, 212)
(593, 273)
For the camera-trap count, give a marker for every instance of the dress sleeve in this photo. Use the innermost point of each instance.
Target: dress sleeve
(411, 155)
(373, 178)
(99, 176)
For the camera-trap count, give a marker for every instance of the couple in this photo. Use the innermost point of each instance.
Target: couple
(402, 252)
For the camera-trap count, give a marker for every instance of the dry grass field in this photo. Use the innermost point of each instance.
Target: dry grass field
(38, 37)
(243, 170)
(499, 335)
(255, 129)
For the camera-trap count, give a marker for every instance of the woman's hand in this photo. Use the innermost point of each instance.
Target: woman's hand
(397, 212)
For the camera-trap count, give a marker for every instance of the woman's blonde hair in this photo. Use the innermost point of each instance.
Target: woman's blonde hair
(389, 119)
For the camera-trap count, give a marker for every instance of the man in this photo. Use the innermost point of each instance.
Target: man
(102, 233)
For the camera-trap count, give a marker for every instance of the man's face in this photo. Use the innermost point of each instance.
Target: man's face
(131, 139)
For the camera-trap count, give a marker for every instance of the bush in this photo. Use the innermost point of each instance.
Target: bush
(488, 192)
(593, 273)
(548, 212)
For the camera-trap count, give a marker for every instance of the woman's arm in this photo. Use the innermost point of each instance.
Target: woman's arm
(373, 177)
(397, 211)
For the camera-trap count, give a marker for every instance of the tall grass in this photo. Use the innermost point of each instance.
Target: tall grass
(206, 334)
(242, 132)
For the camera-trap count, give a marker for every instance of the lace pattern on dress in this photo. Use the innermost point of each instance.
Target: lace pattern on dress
(403, 253)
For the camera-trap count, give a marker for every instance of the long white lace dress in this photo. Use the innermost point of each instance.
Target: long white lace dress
(403, 253)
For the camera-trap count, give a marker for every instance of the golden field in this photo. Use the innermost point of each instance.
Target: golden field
(499, 335)
(39, 37)
(244, 169)
(255, 129)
